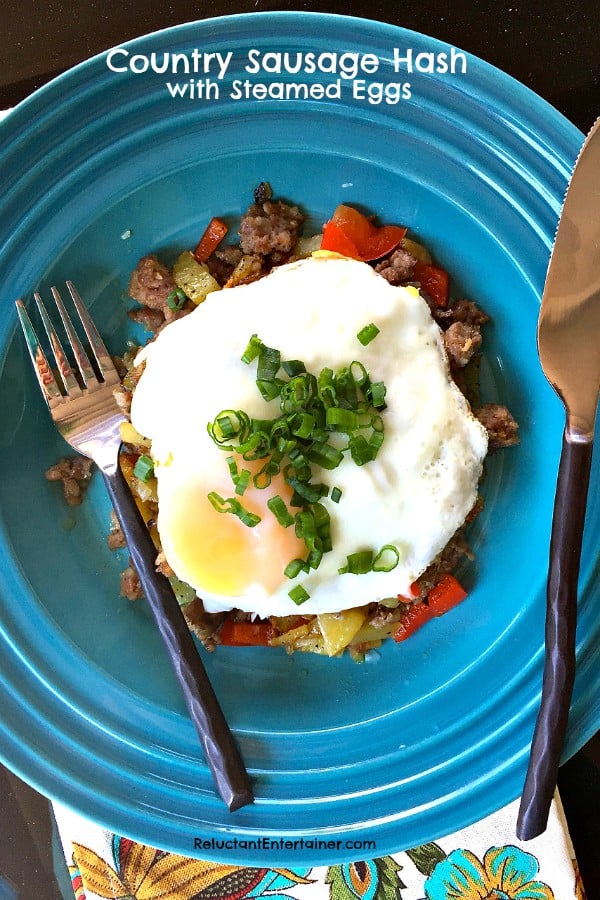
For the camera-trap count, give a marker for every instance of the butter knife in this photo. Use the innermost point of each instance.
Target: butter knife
(569, 350)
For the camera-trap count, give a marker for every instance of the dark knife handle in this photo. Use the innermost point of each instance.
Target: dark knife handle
(561, 621)
(220, 749)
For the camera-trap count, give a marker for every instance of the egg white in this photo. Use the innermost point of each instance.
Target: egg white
(414, 495)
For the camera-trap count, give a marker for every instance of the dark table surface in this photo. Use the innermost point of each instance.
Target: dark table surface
(552, 47)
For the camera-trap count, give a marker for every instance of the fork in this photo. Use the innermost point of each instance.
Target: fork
(87, 416)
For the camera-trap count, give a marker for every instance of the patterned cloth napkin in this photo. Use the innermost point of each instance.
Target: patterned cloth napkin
(482, 862)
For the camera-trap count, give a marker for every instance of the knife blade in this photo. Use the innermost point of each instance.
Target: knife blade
(569, 350)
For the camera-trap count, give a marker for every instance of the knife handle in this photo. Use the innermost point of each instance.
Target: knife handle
(561, 621)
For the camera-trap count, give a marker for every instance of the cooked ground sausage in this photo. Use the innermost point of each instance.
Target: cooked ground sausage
(151, 282)
(462, 311)
(502, 429)
(223, 261)
(398, 268)
(462, 341)
(75, 474)
(150, 319)
(270, 227)
(131, 588)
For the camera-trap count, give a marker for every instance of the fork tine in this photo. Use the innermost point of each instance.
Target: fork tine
(103, 358)
(64, 367)
(86, 370)
(48, 383)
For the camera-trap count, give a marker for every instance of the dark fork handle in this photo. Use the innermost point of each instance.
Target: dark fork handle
(561, 622)
(220, 749)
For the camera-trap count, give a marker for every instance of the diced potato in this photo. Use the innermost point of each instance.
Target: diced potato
(311, 643)
(339, 629)
(418, 250)
(369, 633)
(288, 638)
(130, 435)
(305, 246)
(145, 492)
(193, 277)
(249, 268)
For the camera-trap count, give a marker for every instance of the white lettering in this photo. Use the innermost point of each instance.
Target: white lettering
(428, 62)
(280, 90)
(119, 60)
(110, 57)
(139, 64)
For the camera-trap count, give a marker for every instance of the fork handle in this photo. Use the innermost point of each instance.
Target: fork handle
(220, 749)
(561, 622)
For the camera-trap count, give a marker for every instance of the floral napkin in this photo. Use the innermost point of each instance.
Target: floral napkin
(482, 862)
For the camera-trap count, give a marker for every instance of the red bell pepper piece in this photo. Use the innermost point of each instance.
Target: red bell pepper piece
(446, 594)
(350, 233)
(415, 615)
(210, 240)
(246, 634)
(434, 281)
(336, 240)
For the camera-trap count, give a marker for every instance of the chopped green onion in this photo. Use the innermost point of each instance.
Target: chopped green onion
(325, 455)
(229, 424)
(314, 558)
(299, 595)
(366, 334)
(342, 419)
(293, 367)
(360, 450)
(269, 362)
(358, 563)
(382, 562)
(303, 425)
(359, 373)
(294, 568)
(255, 345)
(377, 394)
(300, 437)
(176, 299)
(269, 387)
(144, 468)
(243, 480)
(231, 505)
(280, 511)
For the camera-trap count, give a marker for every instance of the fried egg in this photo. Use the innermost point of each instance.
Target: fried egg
(414, 495)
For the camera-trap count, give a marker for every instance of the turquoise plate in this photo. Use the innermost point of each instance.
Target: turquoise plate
(101, 167)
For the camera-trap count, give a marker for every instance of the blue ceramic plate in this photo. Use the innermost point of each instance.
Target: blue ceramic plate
(101, 167)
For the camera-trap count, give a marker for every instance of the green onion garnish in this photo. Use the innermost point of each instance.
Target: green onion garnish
(293, 367)
(358, 563)
(231, 505)
(280, 511)
(243, 480)
(269, 362)
(254, 347)
(144, 468)
(377, 394)
(366, 334)
(322, 419)
(299, 595)
(176, 299)
(387, 559)
(294, 568)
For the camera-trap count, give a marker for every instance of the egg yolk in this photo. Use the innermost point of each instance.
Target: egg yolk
(216, 552)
